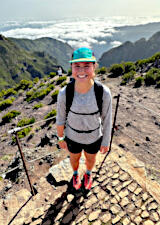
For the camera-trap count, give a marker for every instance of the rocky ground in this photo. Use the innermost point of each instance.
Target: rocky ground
(137, 132)
(121, 195)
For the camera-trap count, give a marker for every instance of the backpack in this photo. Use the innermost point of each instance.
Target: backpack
(98, 89)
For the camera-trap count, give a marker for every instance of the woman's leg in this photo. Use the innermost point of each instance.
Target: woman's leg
(90, 160)
(74, 160)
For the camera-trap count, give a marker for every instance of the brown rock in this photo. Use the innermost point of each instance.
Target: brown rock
(124, 202)
(39, 212)
(114, 200)
(148, 222)
(116, 219)
(124, 177)
(70, 197)
(144, 214)
(91, 201)
(123, 193)
(101, 195)
(153, 205)
(116, 169)
(138, 203)
(85, 222)
(138, 220)
(115, 209)
(94, 215)
(154, 216)
(67, 218)
(132, 187)
(115, 176)
(145, 196)
(138, 191)
(106, 217)
(36, 222)
(115, 183)
(102, 178)
(126, 221)
(126, 183)
(130, 208)
(97, 222)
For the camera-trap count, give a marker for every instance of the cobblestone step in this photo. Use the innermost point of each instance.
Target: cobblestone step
(121, 194)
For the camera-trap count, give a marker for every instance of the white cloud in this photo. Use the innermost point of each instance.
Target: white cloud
(116, 43)
(76, 32)
(102, 42)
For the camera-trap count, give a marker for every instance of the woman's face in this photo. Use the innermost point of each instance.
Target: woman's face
(83, 71)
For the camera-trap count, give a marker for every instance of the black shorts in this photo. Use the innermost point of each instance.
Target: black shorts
(75, 147)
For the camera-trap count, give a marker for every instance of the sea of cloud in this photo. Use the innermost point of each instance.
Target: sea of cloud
(76, 32)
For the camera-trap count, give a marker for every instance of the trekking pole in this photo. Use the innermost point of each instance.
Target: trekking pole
(24, 164)
(114, 122)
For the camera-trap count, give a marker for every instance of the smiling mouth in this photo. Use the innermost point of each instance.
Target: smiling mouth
(82, 76)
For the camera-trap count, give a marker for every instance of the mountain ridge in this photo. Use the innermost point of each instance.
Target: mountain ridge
(16, 63)
(55, 48)
(132, 51)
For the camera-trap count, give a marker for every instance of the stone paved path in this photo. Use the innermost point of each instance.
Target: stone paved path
(121, 194)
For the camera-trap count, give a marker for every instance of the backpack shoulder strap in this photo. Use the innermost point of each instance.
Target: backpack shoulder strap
(98, 89)
(69, 95)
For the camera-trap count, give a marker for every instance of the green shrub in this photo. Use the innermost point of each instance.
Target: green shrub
(123, 82)
(139, 82)
(158, 84)
(102, 70)
(149, 79)
(10, 115)
(24, 132)
(140, 63)
(24, 84)
(129, 66)
(51, 114)
(6, 103)
(1, 94)
(9, 92)
(25, 121)
(52, 74)
(37, 106)
(152, 76)
(51, 86)
(41, 85)
(45, 78)
(63, 84)
(69, 72)
(61, 80)
(30, 96)
(116, 70)
(36, 80)
(55, 95)
(127, 77)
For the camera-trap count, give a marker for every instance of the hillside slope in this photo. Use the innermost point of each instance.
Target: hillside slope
(57, 49)
(132, 51)
(17, 63)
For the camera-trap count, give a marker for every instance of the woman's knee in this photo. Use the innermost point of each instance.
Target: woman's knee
(90, 158)
(75, 157)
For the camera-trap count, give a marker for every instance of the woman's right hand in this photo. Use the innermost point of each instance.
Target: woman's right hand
(63, 145)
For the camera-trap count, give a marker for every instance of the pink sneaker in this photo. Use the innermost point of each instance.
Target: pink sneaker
(76, 182)
(87, 181)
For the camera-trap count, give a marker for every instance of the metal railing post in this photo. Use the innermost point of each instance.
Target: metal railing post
(24, 164)
(112, 133)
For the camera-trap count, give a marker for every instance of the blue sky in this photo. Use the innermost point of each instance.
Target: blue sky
(57, 9)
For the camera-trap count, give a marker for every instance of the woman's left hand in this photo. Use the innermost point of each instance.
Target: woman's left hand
(104, 149)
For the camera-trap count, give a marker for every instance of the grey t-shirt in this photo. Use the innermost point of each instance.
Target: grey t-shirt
(77, 120)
